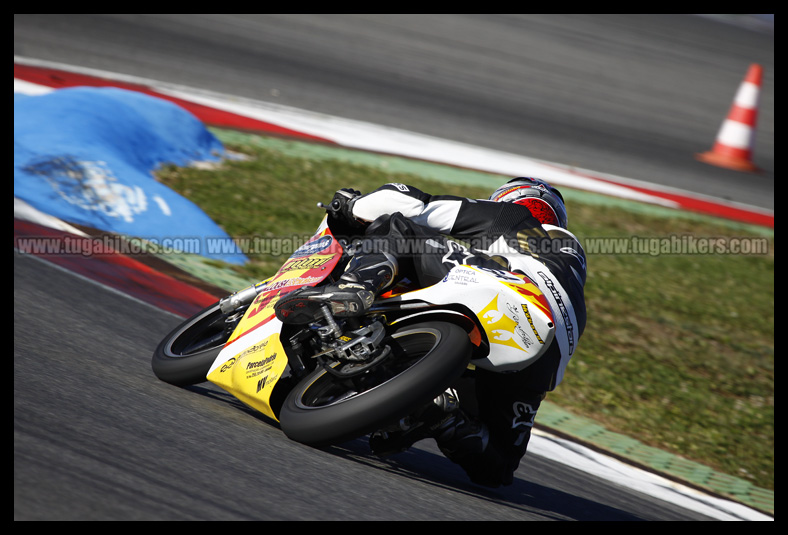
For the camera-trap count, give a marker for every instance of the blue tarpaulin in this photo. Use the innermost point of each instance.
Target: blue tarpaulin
(86, 156)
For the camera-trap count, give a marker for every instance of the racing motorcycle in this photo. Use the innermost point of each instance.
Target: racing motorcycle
(337, 379)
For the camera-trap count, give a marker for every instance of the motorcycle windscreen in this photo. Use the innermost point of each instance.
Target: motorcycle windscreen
(307, 266)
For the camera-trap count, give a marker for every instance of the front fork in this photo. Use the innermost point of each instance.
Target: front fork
(241, 298)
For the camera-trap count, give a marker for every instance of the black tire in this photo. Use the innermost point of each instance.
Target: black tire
(427, 359)
(185, 355)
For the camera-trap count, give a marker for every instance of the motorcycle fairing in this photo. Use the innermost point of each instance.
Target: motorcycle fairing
(514, 314)
(251, 374)
(253, 359)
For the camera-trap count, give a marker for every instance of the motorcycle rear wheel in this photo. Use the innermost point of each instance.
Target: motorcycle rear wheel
(185, 355)
(427, 358)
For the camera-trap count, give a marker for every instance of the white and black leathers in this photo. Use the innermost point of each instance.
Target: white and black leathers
(550, 256)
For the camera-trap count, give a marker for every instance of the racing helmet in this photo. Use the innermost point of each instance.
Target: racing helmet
(543, 200)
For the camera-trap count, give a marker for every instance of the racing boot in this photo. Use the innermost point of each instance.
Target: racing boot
(454, 431)
(351, 296)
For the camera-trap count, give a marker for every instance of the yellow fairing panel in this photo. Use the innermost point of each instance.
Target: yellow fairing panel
(252, 374)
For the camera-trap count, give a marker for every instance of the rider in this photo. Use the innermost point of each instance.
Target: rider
(521, 227)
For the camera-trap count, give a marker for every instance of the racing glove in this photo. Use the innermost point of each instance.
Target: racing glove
(341, 206)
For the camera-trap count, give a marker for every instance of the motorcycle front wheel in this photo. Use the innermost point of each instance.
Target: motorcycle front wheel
(426, 359)
(185, 355)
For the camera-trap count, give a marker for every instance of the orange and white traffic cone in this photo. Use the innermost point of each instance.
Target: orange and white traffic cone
(734, 144)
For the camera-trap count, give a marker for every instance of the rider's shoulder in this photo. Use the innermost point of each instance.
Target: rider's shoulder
(561, 233)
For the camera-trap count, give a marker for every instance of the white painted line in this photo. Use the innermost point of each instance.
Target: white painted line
(368, 136)
(24, 211)
(576, 456)
(372, 137)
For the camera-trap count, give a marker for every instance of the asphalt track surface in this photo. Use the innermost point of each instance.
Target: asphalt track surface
(96, 436)
(631, 95)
